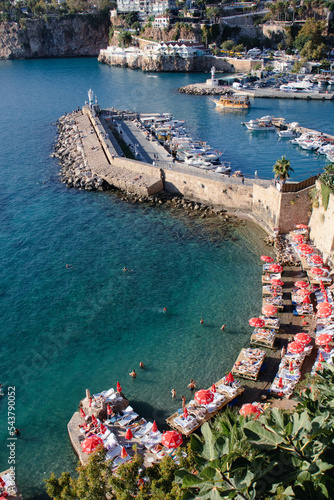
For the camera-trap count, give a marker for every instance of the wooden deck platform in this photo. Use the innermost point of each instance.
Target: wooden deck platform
(206, 415)
(252, 372)
(16, 495)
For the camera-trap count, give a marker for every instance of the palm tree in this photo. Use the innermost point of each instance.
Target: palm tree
(282, 169)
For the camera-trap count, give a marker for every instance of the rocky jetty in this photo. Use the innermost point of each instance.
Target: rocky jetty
(203, 89)
(75, 171)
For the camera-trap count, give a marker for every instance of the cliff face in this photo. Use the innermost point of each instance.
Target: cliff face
(164, 63)
(71, 36)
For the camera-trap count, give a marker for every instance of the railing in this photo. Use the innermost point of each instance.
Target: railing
(293, 187)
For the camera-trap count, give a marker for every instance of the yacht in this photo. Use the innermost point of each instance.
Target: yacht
(234, 102)
(224, 168)
(264, 123)
(287, 133)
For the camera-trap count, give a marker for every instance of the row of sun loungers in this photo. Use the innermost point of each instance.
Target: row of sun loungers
(248, 363)
(263, 337)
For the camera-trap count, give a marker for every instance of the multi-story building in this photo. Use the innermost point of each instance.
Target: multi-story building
(145, 8)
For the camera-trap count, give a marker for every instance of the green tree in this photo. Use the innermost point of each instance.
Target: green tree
(124, 39)
(327, 177)
(282, 168)
(310, 40)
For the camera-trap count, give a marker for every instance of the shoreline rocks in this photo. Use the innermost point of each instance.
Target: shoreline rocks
(201, 89)
(69, 151)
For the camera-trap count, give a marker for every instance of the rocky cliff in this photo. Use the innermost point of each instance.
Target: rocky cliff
(68, 36)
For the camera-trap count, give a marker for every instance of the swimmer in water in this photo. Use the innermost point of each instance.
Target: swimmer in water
(68, 266)
(223, 327)
(141, 364)
(165, 309)
(202, 321)
(173, 391)
(133, 374)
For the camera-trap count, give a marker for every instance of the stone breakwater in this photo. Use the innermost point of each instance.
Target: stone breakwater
(75, 171)
(203, 89)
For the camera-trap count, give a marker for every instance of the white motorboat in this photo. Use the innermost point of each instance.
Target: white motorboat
(263, 123)
(287, 133)
(224, 168)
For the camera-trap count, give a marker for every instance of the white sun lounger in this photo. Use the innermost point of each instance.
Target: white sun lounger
(114, 453)
(144, 430)
(127, 419)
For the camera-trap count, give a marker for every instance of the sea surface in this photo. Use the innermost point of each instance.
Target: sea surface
(67, 329)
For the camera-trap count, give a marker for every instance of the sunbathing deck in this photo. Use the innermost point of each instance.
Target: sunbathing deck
(11, 487)
(248, 363)
(198, 414)
(269, 290)
(263, 337)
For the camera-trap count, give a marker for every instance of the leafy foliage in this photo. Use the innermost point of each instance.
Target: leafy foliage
(282, 168)
(327, 177)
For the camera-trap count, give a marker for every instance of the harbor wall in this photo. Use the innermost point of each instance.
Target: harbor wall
(282, 210)
(322, 226)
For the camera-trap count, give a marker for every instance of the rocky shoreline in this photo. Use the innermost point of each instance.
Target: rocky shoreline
(75, 171)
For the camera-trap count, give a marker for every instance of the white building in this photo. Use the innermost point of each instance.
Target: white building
(182, 48)
(161, 21)
(145, 7)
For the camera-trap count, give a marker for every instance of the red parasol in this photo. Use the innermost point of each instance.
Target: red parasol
(301, 284)
(90, 444)
(298, 237)
(229, 378)
(94, 419)
(102, 428)
(321, 358)
(154, 427)
(325, 296)
(295, 347)
(291, 366)
(303, 292)
(2, 482)
(257, 322)
(171, 439)
(304, 248)
(269, 310)
(249, 409)
(304, 338)
(118, 387)
(266, 258)
(328, 349)
(316, 259)
(109, 410)
(123, 453)
(319, 367)
(82, 413)
(323, 338)
(277, 282)
(128, 434)
(204, 397)
(301, 226)
(324, 306)
(280, 384)
(185, 413)
(213, 388)
(306, 299)
(324, 313)
(275, 268)
(317, 271)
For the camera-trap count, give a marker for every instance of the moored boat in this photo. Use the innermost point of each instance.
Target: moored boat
(234, 102)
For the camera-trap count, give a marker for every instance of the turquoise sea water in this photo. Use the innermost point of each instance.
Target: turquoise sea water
(65, 330)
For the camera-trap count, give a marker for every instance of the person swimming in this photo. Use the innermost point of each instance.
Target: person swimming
(133, 374)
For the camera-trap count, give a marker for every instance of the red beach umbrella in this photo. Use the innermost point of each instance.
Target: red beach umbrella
(280, 383)
(303, 292)
(269, 310)
(82, 413)
(275, 268)
(171, 439)
(324, 338)
(324, 313)
(249, 409)
(304, 248)
(102, 428)
(266, 258)
(291, 366)
(154, 427)
(118, 387)
(204, 397)
(128, 434)
(304, 338)
(256, 322)
(109, 410)
(301, 284)
(317, 271)
(295, 347)
(324, 306)
(276, 282)
(306, 299)
(2, 482)
(328, 349)
(319, 367)
(213, 388)
(90, 444)
(185, 413)
(298, 237)
(321, 358)
(316, 259)
(94, 419)
(123, 453)
(229, 378)
(301, 226)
